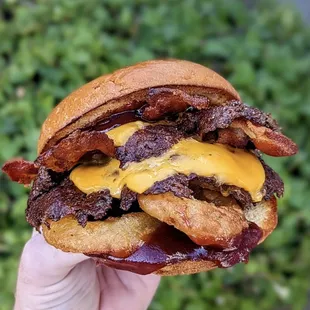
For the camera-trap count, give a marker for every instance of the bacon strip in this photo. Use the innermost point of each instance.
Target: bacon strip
(237, 124)
(68, 151)
(233, 136)
(233, 123)
(20, 170)
(266, 140)
(165, 100)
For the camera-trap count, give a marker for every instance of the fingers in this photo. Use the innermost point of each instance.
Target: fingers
(136, 291)
(45, 264)
(51, 279)
(141, 288)
(78, 290)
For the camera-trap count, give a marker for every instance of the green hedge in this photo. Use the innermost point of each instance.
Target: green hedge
(49, 48)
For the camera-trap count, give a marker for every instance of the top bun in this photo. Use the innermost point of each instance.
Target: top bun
(126, 89)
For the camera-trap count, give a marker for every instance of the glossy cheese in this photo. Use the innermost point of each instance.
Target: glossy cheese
(229, 165)
(121, 134)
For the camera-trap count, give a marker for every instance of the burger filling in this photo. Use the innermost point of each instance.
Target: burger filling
(228, 165)
(198, 172)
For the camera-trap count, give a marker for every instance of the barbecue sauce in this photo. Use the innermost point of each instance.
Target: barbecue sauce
(169, 246)
(118, 119)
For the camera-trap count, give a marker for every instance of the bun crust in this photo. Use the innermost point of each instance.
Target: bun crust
(122, 236)
(126, 89)
(186, 267)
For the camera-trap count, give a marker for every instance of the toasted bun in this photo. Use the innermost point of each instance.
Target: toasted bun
(120, 237)
(115, 92)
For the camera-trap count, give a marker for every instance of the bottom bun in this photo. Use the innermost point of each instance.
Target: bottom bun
(181, 268)
(121, 237)
(186, 267)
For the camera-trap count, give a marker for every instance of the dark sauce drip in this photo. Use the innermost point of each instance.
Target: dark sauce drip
(128, 116)
(168, 246)
(119, 119)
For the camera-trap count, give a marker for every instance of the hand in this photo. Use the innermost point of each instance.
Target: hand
(51, 279)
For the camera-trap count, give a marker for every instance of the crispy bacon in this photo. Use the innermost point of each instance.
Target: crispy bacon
(61, 157)
(233, 136)
(270, 142)
(237, 124)
(234, 123)
(20, 170)
(165, 100)
(68, 151)
(222, 116)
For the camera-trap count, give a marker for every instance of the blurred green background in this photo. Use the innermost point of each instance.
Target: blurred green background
(49, 48)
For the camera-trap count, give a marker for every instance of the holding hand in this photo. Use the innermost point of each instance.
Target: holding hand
(51, 279)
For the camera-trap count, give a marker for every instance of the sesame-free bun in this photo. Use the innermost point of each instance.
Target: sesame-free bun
(127, 88)
(121, 236)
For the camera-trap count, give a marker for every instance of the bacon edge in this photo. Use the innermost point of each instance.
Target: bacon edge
(68, 151)
(20, 170)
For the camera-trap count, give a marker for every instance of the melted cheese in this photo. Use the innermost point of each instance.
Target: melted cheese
(229, 165)
(121, 134)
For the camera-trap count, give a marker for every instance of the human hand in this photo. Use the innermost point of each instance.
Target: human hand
(51, 279)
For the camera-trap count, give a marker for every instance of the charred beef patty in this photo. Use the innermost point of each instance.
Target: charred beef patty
(53, 199)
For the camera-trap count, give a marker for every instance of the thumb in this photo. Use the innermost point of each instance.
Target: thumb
(43, 264)
(51, 279)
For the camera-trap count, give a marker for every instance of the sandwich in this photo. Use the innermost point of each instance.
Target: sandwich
(155, 168)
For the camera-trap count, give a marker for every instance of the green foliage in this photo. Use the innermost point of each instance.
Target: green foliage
(49, 48)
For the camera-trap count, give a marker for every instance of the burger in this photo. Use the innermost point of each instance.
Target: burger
(155, 168)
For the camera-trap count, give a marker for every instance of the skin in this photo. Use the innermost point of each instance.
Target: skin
(51, 279)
